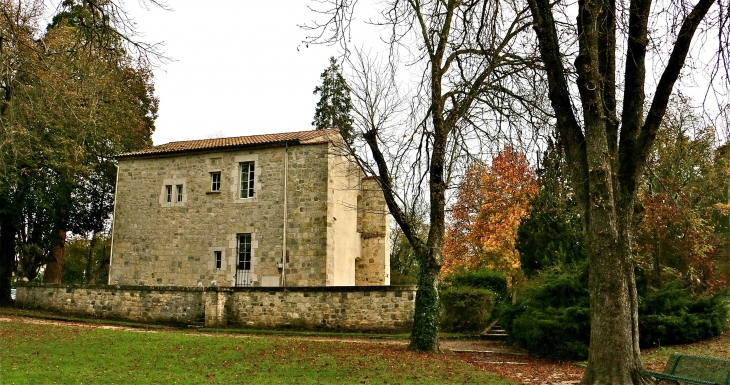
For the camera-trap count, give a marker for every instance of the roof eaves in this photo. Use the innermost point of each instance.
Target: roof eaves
(163, 154)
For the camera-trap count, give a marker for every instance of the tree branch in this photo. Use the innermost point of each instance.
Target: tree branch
(647, 135)
(567, 125)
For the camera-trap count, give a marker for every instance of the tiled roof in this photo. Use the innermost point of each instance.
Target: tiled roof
(301, 137)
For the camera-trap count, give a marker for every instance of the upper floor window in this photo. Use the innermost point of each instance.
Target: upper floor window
(173, 192)
(215, 181)
(247, 178)
(218, 259)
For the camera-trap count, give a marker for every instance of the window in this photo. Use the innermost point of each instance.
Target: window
(243, 265)
(247, 173)
(172, 192)
(244, 252)
(218, 259)
(245, 178)
(215, 181)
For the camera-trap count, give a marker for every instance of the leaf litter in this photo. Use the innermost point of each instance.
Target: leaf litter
(490, 356)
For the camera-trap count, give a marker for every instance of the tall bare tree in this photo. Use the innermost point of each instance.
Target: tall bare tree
(607, 140)
(468, 52)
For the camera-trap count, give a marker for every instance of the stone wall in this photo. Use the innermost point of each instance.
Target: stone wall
(134, 303)
(351, 308)
(354, 308)
(373, 265)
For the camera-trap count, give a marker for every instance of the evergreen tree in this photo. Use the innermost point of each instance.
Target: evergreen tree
(551, 235)
(333, 108)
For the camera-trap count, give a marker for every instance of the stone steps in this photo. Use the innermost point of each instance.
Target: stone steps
(197, 324)
(494, 332)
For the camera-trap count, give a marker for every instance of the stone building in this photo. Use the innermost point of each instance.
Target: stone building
(264, 210)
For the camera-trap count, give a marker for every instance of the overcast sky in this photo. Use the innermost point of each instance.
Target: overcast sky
(239, 66)
(236, 69)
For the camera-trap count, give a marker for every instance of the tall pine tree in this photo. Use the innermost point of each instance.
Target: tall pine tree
(552, 234)
(333, 108)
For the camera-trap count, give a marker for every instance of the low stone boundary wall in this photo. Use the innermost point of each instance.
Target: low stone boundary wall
(352, 308)
(166, 304)
(361, 308)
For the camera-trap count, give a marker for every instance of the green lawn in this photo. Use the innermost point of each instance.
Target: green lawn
(719, 346)
(45, 354)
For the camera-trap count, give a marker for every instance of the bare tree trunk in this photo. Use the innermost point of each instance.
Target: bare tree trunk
(657, 262)
(54, 268)
(424, 335)
(7, 255)
(614, 355)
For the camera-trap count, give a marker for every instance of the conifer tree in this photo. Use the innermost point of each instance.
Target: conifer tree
(552, 234)
(333, 108)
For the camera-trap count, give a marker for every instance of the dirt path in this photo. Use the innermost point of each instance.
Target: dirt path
(486, 355)
(513, 363)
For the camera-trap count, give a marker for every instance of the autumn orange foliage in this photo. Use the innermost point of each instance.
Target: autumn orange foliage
(490, 202)
(675, 235)
(679, 238)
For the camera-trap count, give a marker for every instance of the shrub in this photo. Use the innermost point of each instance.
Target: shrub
(552, 317)
(466, 309)
(672, 316)
(554, 332)
(399, 278)
(481, 278)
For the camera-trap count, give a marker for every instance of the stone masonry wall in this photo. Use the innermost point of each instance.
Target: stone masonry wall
(353, 308)
(161, 243)
(374, 308)
(135, 303)
(373, 266)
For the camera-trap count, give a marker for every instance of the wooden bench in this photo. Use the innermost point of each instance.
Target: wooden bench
(690, 369)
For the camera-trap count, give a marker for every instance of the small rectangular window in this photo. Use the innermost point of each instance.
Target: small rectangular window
(218, 259)
(168, 193)
(247, 178)
(215, 181)
(179, 192)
